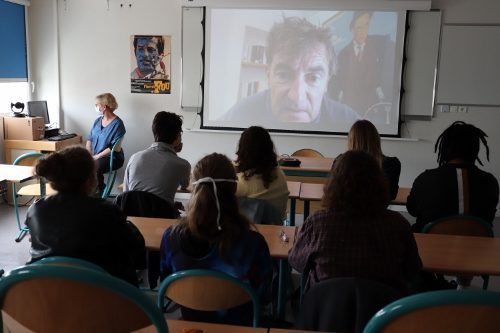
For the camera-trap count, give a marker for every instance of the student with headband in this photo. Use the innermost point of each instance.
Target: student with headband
(214, 235)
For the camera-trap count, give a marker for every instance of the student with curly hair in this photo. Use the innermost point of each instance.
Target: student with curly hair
(356, 235)
(457, 186)
(74, 224)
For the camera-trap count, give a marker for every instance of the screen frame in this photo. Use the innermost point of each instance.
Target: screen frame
(399, 71)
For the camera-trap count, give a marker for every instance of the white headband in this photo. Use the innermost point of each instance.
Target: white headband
(213, 181)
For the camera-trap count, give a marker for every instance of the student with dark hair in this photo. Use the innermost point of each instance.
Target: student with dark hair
(72, 223)
(364, 136)
(257, 169)
(356, 235)
(457, 186)
(214, 235)
(158, 169)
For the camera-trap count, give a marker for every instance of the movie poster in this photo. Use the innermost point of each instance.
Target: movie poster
(150, 64)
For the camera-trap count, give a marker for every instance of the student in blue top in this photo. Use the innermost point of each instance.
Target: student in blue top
(107, 129)
(214, 235)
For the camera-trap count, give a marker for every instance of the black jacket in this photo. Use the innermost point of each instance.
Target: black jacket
(84, 227)
(435, 194)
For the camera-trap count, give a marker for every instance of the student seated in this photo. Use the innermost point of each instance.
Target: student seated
(257, 169)
(364, 136)
(214, 235)
(158, 169)
(356, 235)
(457, 186)
(74, 224)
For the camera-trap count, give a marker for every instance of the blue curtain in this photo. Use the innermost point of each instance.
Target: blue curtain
(13, 54)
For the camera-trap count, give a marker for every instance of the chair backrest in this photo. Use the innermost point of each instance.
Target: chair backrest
(117, 147)
(145, 204)
(461, 225)
(53, 298)
(69, 261)
(259, 211)
(440, 311)
(343, 304)
(208, 290)
(307, 152)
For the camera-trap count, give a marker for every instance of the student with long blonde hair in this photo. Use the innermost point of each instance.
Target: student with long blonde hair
(364, 136)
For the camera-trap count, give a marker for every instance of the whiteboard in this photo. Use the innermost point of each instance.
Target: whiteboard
(192, 62)
(422, 49)
(469, 66)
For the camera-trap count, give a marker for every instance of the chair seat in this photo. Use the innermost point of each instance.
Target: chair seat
(34, 189)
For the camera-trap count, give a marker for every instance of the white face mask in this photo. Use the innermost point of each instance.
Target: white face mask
(97, 109)
(213, 181)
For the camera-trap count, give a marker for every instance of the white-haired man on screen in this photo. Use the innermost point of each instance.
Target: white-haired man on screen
(301, 59)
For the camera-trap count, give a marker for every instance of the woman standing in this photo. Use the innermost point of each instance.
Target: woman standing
(107, 129)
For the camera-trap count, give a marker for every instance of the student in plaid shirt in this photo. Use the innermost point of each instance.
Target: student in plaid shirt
(356, 235)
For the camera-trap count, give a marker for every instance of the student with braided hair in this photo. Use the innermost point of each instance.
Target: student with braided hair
(457, 186)
(214, 235)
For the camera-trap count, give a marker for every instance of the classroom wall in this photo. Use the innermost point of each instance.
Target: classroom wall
(92, 51)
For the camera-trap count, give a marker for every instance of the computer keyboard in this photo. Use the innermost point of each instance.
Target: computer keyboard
(62, 137)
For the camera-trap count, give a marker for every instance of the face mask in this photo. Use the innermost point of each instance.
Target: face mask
(213, 181)
(97, 109)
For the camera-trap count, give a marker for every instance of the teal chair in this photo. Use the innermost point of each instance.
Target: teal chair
(69, 261)
(445, 311)
(34, 189)
(207, 290)
(117, 147)
(54, 298)
(461, 225)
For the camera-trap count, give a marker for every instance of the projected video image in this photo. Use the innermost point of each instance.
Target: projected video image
(307, 71)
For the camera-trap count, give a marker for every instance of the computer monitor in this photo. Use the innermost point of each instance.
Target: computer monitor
(39, 109)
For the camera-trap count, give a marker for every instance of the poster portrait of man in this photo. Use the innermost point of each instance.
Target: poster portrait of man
(150, 64)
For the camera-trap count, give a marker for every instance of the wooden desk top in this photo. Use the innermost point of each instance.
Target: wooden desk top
(42, 145)
(281, 330)
(322, 164)
(181, 326)
(15, 173)
(153, 228)
(311, 192)
(459, 254)
(401, 197)
(294, 189)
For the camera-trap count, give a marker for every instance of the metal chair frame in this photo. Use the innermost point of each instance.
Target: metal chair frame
(23, 230)
(117, 146)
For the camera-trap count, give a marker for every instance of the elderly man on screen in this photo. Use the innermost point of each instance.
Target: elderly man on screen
(301, 60)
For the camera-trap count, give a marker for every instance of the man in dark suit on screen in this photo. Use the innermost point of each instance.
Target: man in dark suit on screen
(365, 68)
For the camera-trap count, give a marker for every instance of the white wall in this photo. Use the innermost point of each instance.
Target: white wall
(93, 55)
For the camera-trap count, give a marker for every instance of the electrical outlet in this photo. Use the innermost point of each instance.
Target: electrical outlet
(462, 109)
(445, 108)
(453, 108)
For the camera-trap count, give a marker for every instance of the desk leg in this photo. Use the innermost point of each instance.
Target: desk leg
(293, 204)
(306, 209)
(282, 288)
